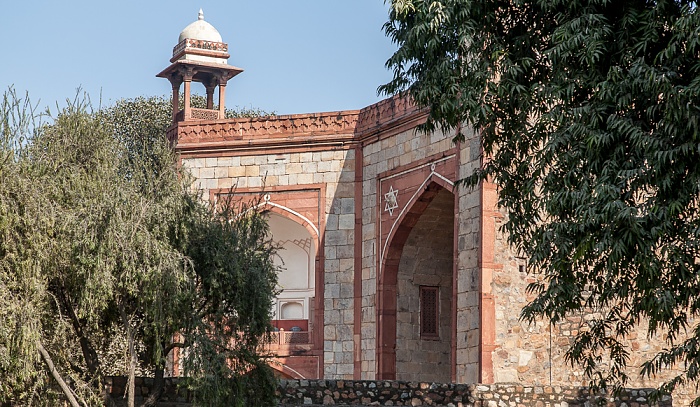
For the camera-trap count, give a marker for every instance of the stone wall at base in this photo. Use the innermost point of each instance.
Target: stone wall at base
(402, 393)
(399, 393)
(143, 386)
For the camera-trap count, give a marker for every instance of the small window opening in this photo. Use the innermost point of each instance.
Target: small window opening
(429, 312)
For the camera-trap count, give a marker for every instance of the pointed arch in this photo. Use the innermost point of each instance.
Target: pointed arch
(289, 213)
(432, 181)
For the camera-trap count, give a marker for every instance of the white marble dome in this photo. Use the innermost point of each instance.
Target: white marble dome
(200, 30)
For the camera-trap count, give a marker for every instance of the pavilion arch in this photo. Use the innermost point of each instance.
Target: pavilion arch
(387, 290)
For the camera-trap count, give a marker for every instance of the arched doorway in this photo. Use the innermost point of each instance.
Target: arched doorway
(415, 297)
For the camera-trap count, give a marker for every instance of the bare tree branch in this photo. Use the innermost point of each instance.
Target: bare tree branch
(52, 369)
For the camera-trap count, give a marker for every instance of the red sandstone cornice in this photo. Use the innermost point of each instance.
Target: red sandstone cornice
(297, 144)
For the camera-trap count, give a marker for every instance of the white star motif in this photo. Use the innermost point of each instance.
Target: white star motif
(391, 201)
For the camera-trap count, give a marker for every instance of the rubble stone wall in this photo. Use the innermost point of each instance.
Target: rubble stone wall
(403, 393)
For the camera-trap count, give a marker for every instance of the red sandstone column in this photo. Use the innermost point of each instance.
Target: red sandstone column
(222, 100)
(210, 96)
(176, 101)
(188, 109)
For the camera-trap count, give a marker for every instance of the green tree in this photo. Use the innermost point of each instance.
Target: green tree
(102, 234)
(234, 276)
(588, 114)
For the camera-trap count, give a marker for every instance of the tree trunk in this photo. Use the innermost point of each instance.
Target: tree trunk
(159, 382)
(52, 369)
(158, 387)
(131, 386)
(89, 354)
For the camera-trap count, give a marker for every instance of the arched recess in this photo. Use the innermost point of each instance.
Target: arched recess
(388, 292)
(297, 259)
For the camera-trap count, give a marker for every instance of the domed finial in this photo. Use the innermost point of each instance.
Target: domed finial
(201, 15)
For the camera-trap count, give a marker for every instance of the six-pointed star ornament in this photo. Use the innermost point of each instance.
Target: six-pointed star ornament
(391, 201)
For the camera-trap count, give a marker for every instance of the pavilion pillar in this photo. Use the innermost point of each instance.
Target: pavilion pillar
(222, 100)
(210, 95)
(176, 100)
(187, 107)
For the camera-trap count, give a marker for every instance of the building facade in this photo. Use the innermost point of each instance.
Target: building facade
(389, 271)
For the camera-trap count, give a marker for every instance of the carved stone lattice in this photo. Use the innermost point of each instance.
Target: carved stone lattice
(204, 114)
(296, 337)
(429, 312)
(200, 44)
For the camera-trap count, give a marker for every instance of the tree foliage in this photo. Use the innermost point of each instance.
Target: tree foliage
(588, 113)
(101, 234)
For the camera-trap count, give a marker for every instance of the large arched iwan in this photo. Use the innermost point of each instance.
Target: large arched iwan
(386, 290)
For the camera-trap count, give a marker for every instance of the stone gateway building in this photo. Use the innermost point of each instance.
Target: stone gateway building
(388, 270)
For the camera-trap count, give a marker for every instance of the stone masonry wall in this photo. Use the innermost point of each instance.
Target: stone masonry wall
(468, 276)
(534, 354)
(335, 170)
(339, 272)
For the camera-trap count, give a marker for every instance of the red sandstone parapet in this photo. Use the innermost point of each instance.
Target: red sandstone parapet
(344, 126)
(386, 113)
(268, 130)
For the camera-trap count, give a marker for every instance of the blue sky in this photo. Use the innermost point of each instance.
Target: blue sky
(298, 56)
